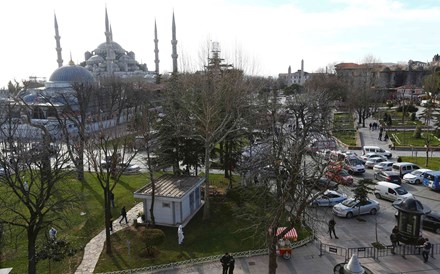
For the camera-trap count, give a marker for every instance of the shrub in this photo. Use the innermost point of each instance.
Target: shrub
(408, 108)
(418, 132)
(152, 238)
(413, 116)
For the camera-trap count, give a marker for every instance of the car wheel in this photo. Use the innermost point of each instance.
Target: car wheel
(377, 195)
(373, 211)
(417, 182)
(437, 230)
(350, 215)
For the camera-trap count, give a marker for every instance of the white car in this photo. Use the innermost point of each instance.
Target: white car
(416, 176)
(370, 155)
(383, 166)
(328, 198)
(352, 207)
(371, 162)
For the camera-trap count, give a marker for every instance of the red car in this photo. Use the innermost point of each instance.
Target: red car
(340, 176)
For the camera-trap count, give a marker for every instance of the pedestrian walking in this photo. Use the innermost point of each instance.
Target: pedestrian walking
(396, 232)
(123, 215)
(225, 259)
(393, 239)
(111, 197)
(370, 126)
(231, 265)
(426, 249)
(331, 228)
(385, 138)
(380, 136)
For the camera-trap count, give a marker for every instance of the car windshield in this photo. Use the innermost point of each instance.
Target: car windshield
(354, 161)
(349, 203)
(401, 191)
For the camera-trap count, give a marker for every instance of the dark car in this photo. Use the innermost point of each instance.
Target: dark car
(322, 184)
(389, 176)
(431, 221)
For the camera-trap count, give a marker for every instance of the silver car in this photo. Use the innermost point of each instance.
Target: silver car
(352, 207)
(385, 166)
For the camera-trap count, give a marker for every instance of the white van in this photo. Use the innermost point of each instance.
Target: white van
(390, 191)
(377, 150)
(404, 167)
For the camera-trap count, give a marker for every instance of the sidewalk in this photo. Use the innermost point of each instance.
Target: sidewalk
(93, 249)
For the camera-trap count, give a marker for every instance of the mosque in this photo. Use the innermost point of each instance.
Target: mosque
(109, 59)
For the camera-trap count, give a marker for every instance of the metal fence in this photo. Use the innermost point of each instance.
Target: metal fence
(375, 253)
(205, 260)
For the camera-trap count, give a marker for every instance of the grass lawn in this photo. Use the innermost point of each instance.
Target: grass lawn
(396, 118)
(433, 163)
(79, 229)
(223, 232)
(348, 137)
(405, 138)
(343, 120)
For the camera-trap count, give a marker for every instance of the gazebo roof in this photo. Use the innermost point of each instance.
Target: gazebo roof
(171, 186)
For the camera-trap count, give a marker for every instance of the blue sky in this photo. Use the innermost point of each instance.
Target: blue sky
(263, 37)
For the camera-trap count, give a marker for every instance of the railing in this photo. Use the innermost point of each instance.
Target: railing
(206, 260)
(375, 253)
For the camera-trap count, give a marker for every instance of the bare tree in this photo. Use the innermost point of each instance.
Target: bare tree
(33, 194)
(109, 160)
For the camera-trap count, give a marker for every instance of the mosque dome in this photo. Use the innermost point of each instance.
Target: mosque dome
(102, 49)
(95, 59)
(72, 74)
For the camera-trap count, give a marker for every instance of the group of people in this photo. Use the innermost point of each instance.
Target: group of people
(228, 263)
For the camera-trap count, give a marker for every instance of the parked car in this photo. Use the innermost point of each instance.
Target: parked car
(431, 179)
(390, 191)
(352, 207)
(328, 198)
(383, 166)
(404, 167)
(431, 221)
(415, 177)
(371, 162)
(322, 183)
(340, 176)
(353, 165)
(389, 176)
(377, 150)
(129, 168)
(367, 156)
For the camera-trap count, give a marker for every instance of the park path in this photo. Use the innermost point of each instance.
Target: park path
(94, 247)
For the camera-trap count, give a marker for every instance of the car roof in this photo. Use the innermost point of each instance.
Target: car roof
(391, 173)
(422, 170)
(332, 192)
(434, 172)
(434, 214)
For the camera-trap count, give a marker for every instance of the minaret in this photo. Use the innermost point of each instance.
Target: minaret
(108, 40)
(289, 76)
(174, 44)
(156, 49)
(57, 39)
(302, 80)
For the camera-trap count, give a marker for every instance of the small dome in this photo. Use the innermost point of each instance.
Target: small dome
(95, 59)
(72, 74)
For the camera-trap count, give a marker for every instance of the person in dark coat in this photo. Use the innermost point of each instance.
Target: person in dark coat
(231, 265)
(331, 228)
(225, 262)
(426, 249)
(393, 239)
(123, 215)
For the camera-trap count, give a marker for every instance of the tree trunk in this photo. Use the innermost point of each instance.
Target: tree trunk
(206, 213)
(272, 251)
(32, 238)
(108, 244)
